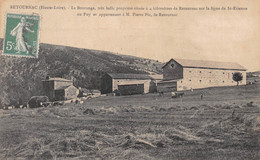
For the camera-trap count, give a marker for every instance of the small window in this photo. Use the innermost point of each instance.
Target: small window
(223, 81)
(200, 71)
(172, 65)
(223, 72)
(190, 80)
(200, 81)
(209, 80)
(209, 72)
(190, 71)
(181, 81)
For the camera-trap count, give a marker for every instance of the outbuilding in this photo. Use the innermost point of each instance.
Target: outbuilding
(128, 84)
(65, 93)
(83, 92)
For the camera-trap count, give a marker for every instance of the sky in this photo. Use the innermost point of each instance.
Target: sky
(230, 36)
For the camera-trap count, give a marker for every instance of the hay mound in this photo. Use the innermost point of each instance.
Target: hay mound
(231, 128)
(250, 104)
(134, 142)
(89, 112)
(257, 124)
(47, 155)
(132, 154)
(107, 110)
(181, 133)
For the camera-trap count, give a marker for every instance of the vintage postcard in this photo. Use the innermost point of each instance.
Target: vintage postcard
(132, 79)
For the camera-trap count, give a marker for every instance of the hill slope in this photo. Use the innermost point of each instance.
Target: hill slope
(20, 78)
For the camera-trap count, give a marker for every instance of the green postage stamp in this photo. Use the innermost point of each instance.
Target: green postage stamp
(21, 35)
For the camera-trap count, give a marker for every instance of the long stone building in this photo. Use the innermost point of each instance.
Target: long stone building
(127, 84)
(183, 74)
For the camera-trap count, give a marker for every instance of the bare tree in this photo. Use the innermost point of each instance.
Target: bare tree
(237, 76)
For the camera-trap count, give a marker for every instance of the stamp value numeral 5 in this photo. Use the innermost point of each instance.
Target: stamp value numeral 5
(21, 35)
(9, 45)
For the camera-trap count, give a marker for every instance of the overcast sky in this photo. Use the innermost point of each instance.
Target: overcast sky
(208, 35)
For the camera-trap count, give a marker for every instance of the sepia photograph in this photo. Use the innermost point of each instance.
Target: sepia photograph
(129, 80)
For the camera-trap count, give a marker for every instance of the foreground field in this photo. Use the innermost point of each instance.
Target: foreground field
(224, 125)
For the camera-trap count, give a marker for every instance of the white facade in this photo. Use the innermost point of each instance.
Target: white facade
(181, 74)
(203, 78)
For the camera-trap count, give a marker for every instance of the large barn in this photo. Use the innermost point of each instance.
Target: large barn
(183, 74)
(127, 84)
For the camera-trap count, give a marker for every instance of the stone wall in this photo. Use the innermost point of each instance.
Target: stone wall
(203, 78)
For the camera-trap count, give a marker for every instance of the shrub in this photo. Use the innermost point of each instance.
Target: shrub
(237, 76)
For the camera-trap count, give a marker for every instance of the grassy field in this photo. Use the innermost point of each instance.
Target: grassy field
(224, 125)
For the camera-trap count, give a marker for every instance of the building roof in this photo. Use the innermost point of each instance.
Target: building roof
(168, 81)
(156, 76)
(207, 64)
(58, 79)
(134, 76)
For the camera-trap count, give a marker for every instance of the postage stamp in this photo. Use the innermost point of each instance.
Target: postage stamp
(21, 35)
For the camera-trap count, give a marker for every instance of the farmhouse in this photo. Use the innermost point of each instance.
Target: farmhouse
(183, 74)
(59, 89)
(127, 84)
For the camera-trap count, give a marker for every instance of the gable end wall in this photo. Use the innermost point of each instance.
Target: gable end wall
(172, 71)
